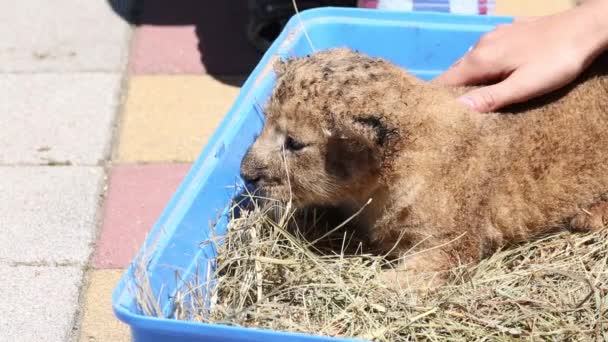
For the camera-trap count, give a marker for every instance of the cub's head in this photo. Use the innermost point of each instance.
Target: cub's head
(325, 137)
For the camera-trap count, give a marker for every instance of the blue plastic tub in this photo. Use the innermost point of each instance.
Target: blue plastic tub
(423, 43)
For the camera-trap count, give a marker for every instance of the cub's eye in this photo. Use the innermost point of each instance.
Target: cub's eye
(293, 145)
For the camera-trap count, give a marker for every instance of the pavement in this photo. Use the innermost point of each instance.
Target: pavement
(102, 116)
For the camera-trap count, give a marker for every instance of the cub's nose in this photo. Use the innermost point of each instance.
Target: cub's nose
(251, 173)
(250, 177)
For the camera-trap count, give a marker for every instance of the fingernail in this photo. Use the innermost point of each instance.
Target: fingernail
(467, 101)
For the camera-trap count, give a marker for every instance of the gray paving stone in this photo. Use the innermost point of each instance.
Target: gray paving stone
(54, 118)
(48, 214)
(61, 35)
(38, 303)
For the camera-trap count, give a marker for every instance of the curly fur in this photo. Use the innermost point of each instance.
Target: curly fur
(343, 127)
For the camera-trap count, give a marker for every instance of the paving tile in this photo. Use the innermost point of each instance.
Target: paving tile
(169, 118)
(61, 35)
(532, 8)
(214, 31)
(48, 214)
(99, 324)
(54, 118)
(165, 50)
(137, 194)
(39, 303)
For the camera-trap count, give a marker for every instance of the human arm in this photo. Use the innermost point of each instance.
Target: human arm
(531, 56)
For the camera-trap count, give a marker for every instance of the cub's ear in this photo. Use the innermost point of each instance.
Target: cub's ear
(360, 144)
(279, 66)
(373, 129)
(348, 155)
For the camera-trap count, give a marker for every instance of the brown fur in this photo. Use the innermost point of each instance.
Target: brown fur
(342, 127)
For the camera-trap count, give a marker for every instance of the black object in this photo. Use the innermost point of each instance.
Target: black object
(268, 17)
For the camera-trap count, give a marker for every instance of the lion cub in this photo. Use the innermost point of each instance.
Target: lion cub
(448, 185)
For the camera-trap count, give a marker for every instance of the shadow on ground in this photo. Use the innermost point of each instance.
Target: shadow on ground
(221, 30)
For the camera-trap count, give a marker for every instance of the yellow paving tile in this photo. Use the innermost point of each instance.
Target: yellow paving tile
(170, 118)
(532, 7)
(99, 323)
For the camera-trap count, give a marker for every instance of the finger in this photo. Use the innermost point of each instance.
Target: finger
(525, 19)
(466, 71)
(514, 89)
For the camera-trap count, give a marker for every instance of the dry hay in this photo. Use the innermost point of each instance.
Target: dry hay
(269, 276)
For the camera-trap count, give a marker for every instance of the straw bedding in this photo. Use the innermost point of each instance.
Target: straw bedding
(278, 271)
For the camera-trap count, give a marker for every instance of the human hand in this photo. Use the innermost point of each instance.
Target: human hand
(530, 57)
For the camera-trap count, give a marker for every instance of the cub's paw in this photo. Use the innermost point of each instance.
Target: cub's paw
(593, 219)
(422, 273)
(410, 281)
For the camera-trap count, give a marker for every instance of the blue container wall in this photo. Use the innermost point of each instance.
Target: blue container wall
(423, 47)
(424, 44)
(203, 205)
